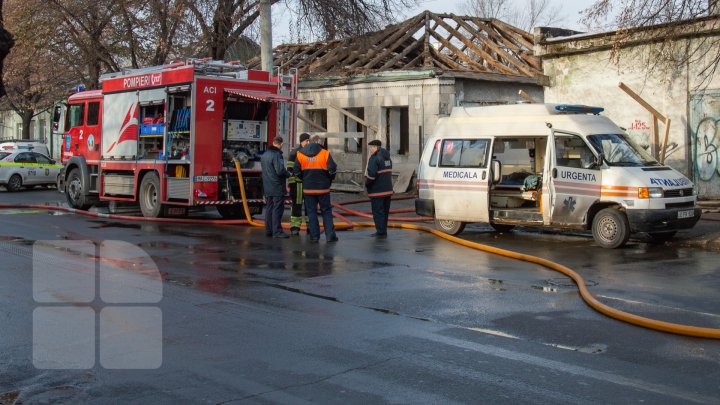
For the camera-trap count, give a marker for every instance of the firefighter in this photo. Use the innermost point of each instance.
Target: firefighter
(273, 176)
(296, 188)
(317, 169)
(379, 186)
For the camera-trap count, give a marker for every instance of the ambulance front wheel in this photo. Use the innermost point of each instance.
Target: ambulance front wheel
(150, 196)
(611, 228)
(450, 227)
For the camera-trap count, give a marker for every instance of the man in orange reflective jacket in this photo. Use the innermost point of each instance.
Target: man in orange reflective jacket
(317, 169)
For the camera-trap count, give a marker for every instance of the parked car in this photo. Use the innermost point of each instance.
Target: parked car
(22, 168)
(23, 144)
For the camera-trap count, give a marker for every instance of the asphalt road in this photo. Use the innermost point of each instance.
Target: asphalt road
(411, 319)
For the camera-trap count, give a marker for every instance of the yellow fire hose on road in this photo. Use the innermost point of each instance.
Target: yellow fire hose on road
(675, 328)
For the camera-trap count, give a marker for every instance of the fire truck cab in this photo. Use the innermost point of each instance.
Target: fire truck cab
(166, 137)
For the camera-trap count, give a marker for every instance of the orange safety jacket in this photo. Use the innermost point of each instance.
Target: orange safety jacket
(316, 167)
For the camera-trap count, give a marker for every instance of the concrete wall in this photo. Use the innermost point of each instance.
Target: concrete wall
(592, 78)
(423, 98)
(474, 92)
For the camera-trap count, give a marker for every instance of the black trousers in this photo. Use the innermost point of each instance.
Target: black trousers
(381, 213)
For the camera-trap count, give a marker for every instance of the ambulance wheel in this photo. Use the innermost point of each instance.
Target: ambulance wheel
(659, 237)
(611, 228)
(502, 227)
(449, 227)
(234, 211)
(74, 191)
(150, 196)
(15, 183)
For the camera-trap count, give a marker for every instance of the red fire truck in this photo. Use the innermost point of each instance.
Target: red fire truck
(166, 137)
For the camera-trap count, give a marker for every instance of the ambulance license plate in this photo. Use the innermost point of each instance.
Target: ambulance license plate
(686, 214)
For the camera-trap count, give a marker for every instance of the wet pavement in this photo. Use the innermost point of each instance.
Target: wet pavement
(410, 319)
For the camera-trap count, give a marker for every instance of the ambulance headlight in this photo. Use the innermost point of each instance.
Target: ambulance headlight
(650, 192)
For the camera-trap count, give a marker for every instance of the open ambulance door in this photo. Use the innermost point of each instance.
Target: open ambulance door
(462, 180)
(575, 179)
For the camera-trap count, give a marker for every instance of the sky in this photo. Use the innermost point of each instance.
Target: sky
(570, 16)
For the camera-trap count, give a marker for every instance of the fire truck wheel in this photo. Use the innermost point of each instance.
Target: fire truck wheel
(15, 183)
(449, 227)
(150, 196)
(74, 191)
(234, 211)
(610, 228)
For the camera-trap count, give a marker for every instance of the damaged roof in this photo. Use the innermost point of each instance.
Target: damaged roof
(444, 43)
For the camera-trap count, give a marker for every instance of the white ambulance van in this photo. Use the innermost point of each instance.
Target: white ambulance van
(548, 165)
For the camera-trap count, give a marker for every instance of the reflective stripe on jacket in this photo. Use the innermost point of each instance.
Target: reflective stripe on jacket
(379, 174)
(316, 168)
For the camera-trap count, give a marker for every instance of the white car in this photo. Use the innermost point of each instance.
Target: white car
(22, 168)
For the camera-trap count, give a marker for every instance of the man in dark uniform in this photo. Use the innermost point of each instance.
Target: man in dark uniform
(317, 169)
(296, 188)
(273, 177)
(379, 186)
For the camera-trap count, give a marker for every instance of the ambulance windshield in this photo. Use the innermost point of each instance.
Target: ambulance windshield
(620, 150)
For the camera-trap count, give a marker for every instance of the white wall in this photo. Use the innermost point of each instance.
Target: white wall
(592, 78)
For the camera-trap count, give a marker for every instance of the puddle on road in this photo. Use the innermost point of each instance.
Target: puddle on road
(105, 224)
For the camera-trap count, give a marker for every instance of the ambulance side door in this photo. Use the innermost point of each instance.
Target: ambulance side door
(575, 182)
(462, 180)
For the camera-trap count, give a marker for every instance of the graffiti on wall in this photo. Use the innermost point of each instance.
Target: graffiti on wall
(641, 132)
(705, 138)
(706, 148)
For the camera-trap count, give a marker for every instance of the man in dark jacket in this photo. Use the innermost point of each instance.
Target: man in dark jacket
(379, 186)
(273, 176)
(296, 188)
(317, 169)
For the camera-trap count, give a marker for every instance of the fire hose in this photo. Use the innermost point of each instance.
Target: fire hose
(590, 300)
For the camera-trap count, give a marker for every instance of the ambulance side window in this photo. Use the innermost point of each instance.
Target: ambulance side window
(474, 153)
(451, 150)
(75, 116)
(572, 151)
(470, 153)
(434, 155)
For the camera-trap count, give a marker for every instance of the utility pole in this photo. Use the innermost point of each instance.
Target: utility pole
(266, 59)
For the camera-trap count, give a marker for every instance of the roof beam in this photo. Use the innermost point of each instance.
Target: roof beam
(488, 58)
(524, 68)
(397, 40)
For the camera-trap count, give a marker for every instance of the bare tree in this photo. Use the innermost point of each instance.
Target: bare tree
(222, 23)
(524, 14)
(665, 27)
(32, 80)
(6, 44)
(88, 34)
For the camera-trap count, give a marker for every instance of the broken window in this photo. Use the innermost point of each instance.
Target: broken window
(317, 117)
(353, 144)
(397, 130)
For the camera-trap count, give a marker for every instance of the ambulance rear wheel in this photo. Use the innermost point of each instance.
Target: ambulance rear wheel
(74, 191)
(449, 227)
(150, 196)
(234, 211)
(611, 228)
(15, 183)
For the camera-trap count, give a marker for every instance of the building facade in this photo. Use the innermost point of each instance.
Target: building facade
(582, 69)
